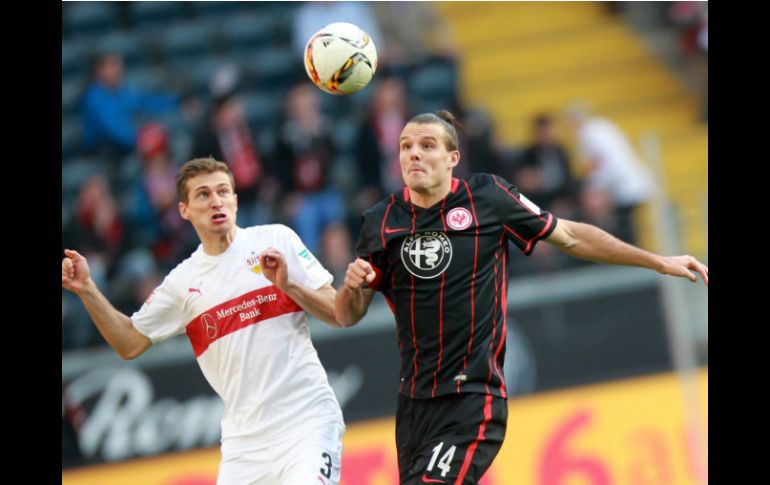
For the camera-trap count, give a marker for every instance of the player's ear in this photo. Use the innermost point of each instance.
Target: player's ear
(183, 211)
(454, 158)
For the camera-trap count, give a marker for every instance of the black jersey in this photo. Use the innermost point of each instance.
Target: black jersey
(443, 273)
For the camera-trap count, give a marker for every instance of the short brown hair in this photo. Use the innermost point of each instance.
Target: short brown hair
(196, 167)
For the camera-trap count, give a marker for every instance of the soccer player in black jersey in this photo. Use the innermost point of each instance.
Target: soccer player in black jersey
(438, 252)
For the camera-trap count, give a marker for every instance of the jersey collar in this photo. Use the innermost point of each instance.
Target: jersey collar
(452, 189)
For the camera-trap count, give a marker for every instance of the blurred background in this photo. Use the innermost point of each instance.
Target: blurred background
(597, 111)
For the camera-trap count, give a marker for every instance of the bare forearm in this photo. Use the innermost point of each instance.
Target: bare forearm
(115, 327)
(593, 244)
(350, 306)
(319, 303)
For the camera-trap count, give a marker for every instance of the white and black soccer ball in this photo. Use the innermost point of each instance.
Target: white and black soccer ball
(340, 58)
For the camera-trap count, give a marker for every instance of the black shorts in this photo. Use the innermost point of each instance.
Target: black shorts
(448, 437)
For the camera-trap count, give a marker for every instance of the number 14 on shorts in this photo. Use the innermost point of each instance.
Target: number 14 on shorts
(445, 462)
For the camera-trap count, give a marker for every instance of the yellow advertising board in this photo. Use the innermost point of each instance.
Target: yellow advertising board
(630, 432)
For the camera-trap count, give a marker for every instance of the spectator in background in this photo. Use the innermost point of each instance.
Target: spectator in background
(544, 171)
(136, 276)
(97, 226)
(478, 143)
(691, 18)
(156, 223)
(312, 16)
(225, 135)
(304, 155)
(336, 246)
(98, 229)
(376, 147)
(616, 183)
(108, 108)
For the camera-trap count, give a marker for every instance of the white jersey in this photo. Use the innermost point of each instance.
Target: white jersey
(250, 339)
(619, 170)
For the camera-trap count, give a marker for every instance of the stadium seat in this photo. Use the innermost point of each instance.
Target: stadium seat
(70, 92)
(187, 40)
(156, 13)
(244, 33)
(262, 108)
(151, 78)
(75, 172)
(435, 85)
(70, 137)
(273, 67)
(75, 57)
(219, 9)
(196, 75)
(88, 17)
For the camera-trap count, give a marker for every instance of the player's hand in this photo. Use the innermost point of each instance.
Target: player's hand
(683, 266)
(274, 267)
(359, 275)
(74, 271)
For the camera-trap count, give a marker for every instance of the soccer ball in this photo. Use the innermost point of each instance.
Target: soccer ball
(340, 58)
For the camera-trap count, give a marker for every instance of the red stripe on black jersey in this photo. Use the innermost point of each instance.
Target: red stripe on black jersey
(375, 284)
(473, 280)
(472, 448)
(385, 219)
(528, 249)
(516, 198)
(414, 343)
(525, 241)
(441, 308)
(503, 302)
(414, 334)
(492, 360)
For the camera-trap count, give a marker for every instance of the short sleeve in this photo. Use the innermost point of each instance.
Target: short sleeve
(523, 221)
(304, 268)
(370, 248)
(160, 317)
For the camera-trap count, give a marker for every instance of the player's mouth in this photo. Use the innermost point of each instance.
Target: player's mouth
(219, 217)
(416, 170)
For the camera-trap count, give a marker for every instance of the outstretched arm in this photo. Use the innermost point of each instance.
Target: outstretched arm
(115, 327)
(354, 297)
(588, 242)
(319, 303)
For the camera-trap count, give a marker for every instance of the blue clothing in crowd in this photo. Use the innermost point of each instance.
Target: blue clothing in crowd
(108, 114)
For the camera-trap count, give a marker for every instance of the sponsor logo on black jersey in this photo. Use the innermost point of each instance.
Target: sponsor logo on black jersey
(426, 254)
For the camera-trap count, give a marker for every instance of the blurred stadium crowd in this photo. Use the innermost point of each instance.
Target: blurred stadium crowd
(147, 86)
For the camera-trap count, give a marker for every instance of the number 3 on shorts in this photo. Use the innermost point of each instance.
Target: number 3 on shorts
(444, 463)
(327, 470)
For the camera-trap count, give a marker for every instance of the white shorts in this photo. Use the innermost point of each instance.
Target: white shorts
(315, 458)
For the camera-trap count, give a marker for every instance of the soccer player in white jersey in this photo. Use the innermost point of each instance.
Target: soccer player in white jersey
(241, 298)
